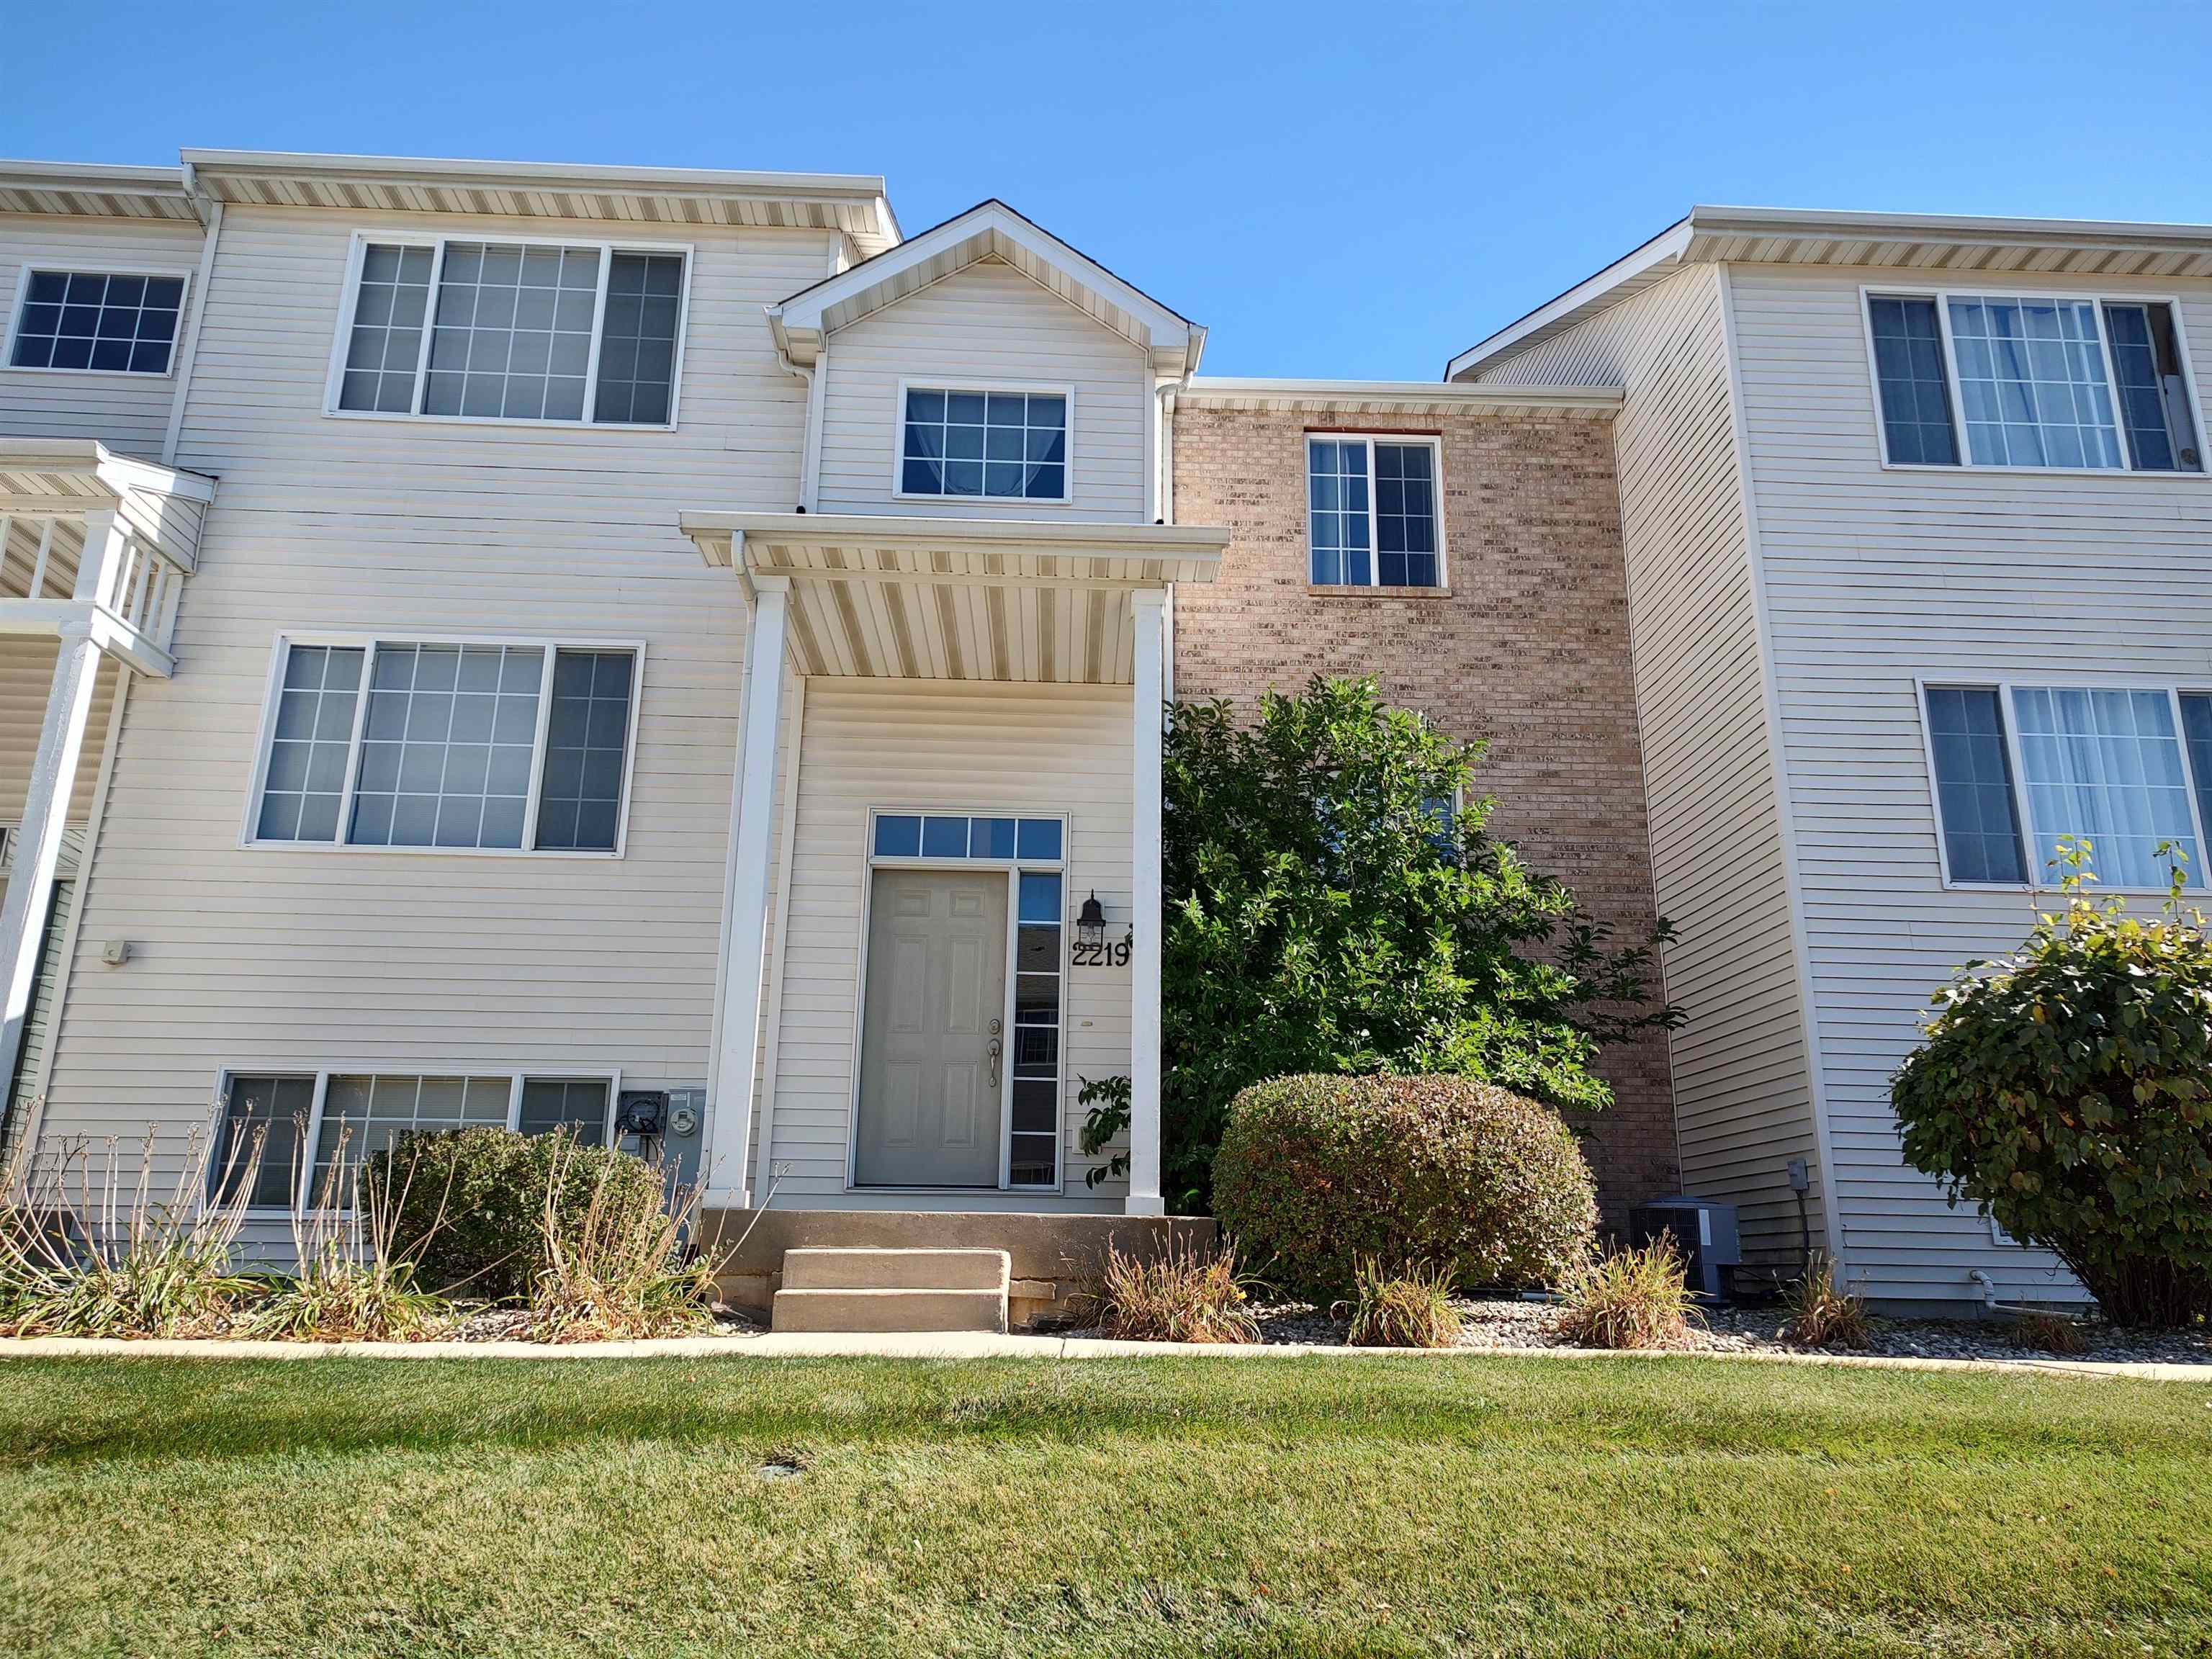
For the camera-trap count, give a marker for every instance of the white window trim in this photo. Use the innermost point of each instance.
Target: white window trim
(437, 241)
(75, 269)
(1013, 868)
(1436, 445)
(951, 384)
(515, 1074)
(273, 692)
(2099, 297)
(2039, 880)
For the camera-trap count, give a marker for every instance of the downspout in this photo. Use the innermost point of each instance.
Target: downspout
(212, 216)
(1166, 394)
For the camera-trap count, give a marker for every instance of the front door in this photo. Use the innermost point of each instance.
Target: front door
(931, 1040)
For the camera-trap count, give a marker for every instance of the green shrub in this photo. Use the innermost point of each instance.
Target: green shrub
(467, 1205)
(2067, 1090)
(1408, 1309)
(1316, 1173)
(1635, 1298)
(1324, 913)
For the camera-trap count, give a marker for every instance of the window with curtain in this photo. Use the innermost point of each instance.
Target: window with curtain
(2106, 766)
(1001, 446)
(2064, 381)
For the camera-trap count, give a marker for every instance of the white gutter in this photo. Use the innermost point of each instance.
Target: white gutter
(189, 351)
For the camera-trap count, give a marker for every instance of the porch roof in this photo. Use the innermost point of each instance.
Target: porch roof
(914, 597)
(68, 477)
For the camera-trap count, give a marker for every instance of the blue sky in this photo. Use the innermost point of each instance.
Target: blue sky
(1342, 190)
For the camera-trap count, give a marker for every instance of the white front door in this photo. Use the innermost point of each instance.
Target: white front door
(932, 1037)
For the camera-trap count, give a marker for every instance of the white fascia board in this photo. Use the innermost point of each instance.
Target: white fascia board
(1415, 394)
(1708, 219)
(1667, 246)
(1049, 535)
(864, 188)
(803, 311)
(93, 176)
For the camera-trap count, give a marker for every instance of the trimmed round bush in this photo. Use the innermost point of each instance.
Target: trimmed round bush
(1318, 1174)
(467, 1205)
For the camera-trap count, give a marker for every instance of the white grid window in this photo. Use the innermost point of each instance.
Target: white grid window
(344, 1118)
(110, 321)
(514, 334)
(1372, 512)
(513, 330)
(452, 747)
(2031, 382)
(386, 347)
(1009, 445)
(308, 754)
(2070, 381)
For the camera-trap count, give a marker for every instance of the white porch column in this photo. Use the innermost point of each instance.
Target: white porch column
(1147, 696)
(38, 840)
(752, 803)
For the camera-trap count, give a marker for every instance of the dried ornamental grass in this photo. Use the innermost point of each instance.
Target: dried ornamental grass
(1184, 1294)
(353, 1284)
(2048, 1333)
(1634, 1298)
(617, 1268)
(1408, 1309)
(1825, 1313)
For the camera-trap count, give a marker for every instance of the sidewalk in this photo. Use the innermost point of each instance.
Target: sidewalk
(975, 1346)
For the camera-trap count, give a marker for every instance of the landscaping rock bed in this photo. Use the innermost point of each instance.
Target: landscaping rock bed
(1506, 1323)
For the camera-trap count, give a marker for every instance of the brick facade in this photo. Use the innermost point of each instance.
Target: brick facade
(1527, 648)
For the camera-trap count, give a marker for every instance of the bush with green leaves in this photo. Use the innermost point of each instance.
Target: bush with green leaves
(467, 1205)
(1317, 1175)
(1327, 912)
(2066, 1089)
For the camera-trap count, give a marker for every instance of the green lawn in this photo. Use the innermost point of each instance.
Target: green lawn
(1153, 1507)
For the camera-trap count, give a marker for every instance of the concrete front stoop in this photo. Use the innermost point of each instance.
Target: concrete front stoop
(880, 1289)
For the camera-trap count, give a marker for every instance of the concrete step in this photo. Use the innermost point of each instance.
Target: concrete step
(866, 1310)
(848, 1268)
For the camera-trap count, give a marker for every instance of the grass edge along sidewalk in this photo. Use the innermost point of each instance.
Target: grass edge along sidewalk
(1161, 1505)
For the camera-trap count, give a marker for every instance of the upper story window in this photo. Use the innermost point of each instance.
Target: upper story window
(590, 333)
(2127, 768)
(456, 746)
(1371, 511)
(2070, 382)
(110, 322)
(1000, 444)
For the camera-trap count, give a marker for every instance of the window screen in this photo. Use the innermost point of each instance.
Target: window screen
(586, 739)
(445, 750)
(256, 1150)
(578, 1104)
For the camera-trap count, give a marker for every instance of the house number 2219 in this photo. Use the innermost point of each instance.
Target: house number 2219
(1104, 954)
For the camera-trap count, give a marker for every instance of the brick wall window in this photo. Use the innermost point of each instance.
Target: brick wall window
(1371, 511)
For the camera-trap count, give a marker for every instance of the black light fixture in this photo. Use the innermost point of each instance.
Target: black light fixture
(1091, 922)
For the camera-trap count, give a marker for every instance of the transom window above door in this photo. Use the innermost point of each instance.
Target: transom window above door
(994, 445)
(455, 745)
(2071, 382)
(447, 329)
(1371, 511)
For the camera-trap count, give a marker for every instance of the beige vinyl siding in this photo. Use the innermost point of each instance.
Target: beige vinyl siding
(984, 325)
(1742, 1096)
(276, 959)
(27, 678)
(1875, 576)
(895, 743)
(128, 413)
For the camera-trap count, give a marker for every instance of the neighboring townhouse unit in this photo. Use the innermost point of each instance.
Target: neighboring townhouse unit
(1919, 548)
(591, 632)
(1463, 544)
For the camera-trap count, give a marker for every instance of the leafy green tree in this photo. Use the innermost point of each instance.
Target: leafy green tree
(1327, 910)
(2067, 1090)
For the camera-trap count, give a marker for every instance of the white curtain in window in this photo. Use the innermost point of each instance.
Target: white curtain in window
(2106, 766)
